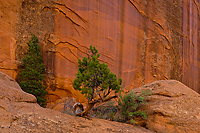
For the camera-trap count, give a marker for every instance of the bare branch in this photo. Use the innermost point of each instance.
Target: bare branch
(109, 98)
(107, 93)
(100, 97)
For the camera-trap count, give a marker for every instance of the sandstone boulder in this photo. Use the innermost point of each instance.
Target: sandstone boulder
(172, 108)
(20, 113)
(9, 89)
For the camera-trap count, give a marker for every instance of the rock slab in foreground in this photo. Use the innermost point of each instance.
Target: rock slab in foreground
(19, 113)
(173, 107)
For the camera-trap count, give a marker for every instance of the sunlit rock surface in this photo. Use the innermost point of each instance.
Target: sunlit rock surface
(172, 107)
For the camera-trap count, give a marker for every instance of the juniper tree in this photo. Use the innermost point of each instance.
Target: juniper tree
(95, 81)
(32, 73)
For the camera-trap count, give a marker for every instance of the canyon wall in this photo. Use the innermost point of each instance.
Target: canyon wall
(140, 40)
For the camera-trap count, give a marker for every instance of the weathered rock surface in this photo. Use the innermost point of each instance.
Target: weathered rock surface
(141, 40)
(20, 114)
(11, 90)
(173, 108)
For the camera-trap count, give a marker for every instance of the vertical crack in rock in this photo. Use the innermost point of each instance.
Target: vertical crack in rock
(121, 38)
(174, 24)
(145, 46)
(143, 54)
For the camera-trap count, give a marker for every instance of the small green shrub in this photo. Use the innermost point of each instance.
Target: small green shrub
(112, 116)
(32, 73)
(106, 112)
(128, 105)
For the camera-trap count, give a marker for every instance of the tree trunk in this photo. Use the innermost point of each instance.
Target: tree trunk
(92, 103)
(87, 110)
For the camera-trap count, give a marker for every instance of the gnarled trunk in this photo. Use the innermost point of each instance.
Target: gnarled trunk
(90, 105)
(87, 110)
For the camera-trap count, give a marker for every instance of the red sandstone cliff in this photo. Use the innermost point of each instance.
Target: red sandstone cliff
(140, 40)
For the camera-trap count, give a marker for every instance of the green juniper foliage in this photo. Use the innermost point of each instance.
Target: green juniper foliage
(95, 80)
(129, 103)
(32, 74)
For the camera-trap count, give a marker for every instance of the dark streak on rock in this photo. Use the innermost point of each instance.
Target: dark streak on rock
(145, 15)
(71, 45)
(62, 12)
(71, 11)
(161, 113)
(3, 108)
(167, 95)
(62, 56)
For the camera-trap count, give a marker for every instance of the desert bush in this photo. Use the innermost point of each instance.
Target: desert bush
(128, 105)
(106, 112)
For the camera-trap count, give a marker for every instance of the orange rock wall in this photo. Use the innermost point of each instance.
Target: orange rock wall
(140, 40)
(8, 17)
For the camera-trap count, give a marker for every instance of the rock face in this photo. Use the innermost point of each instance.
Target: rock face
(141, 40)
(173, 108)
(19, 113)
(11, 90)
